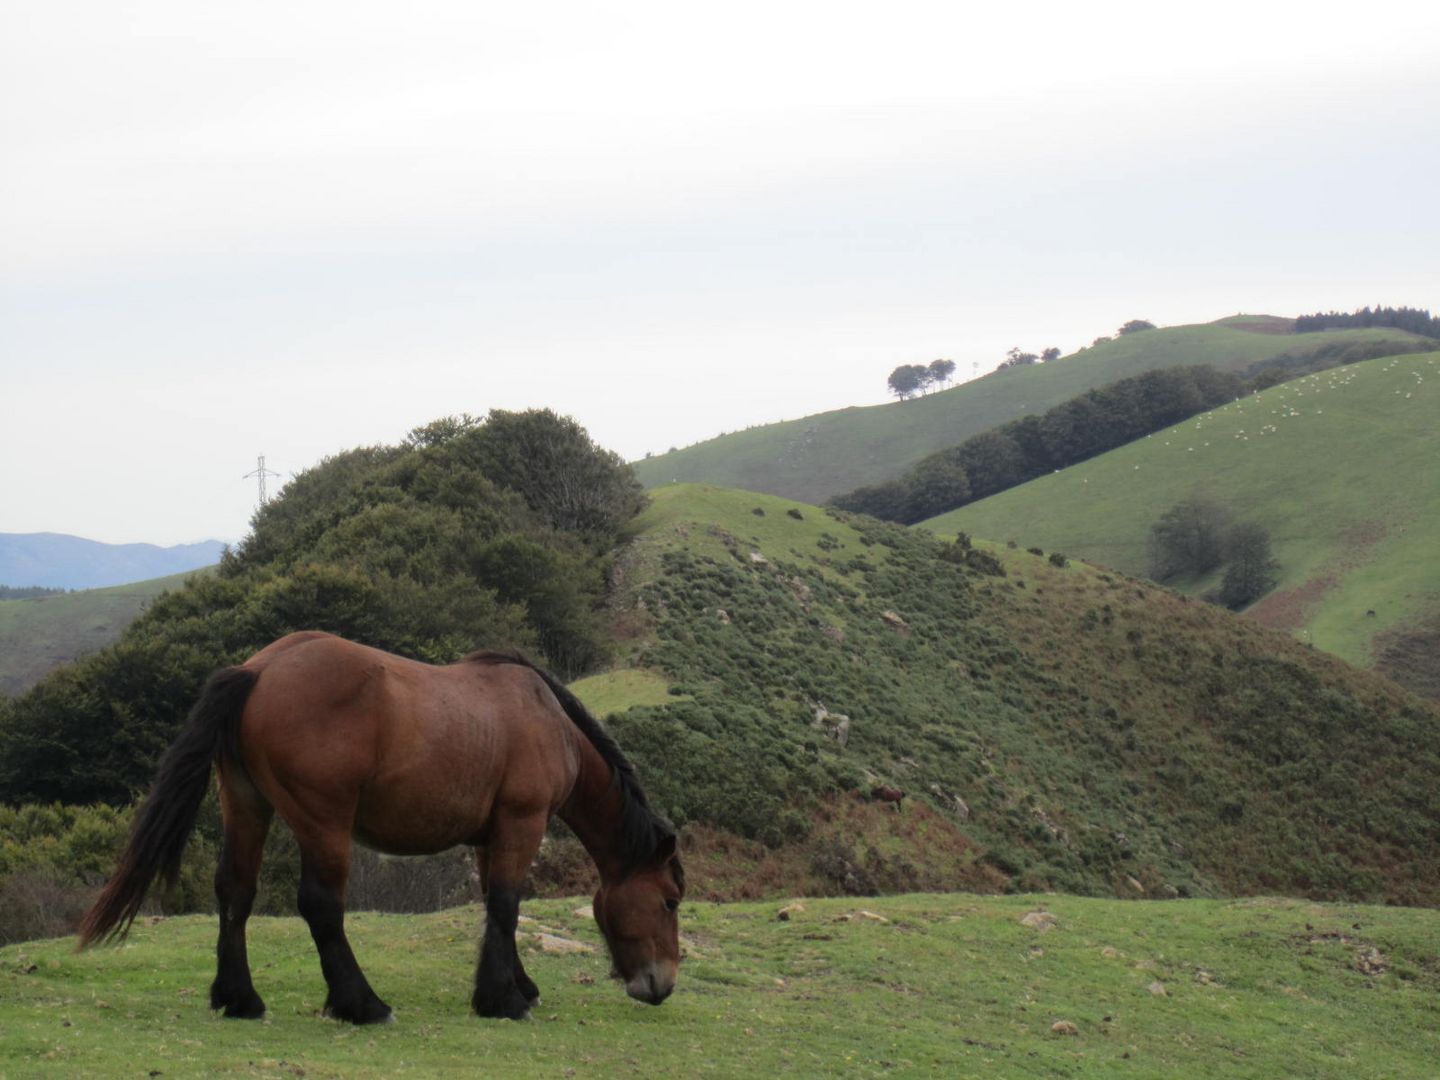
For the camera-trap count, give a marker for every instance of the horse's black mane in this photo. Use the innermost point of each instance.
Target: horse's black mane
(642, 830)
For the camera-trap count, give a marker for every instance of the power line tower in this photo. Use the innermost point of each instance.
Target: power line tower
(260, 472)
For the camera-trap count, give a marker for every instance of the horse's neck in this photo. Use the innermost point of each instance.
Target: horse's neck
(593, 811)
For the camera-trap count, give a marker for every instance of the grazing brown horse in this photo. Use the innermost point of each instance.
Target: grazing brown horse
(409, 759)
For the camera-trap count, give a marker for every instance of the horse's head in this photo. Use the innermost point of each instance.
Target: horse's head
(639, 916)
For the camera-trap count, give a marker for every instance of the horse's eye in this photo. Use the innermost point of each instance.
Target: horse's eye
(672, 904)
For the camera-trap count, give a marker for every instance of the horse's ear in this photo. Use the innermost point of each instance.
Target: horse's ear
(665, 849)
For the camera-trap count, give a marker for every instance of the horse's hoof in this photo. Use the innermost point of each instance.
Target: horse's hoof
(511, 1006)
(376, 1012)
(245, 1012)
(247, 1007)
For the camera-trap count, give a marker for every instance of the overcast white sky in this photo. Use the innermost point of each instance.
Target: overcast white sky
(295, 227)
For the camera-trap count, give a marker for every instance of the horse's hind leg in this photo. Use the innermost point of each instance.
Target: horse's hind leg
(324, 870)
(246, 817)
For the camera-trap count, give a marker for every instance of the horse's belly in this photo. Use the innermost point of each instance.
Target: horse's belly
(420, 824)
(407, 844)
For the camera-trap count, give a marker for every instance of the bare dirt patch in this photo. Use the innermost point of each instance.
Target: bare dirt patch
(1288, 609)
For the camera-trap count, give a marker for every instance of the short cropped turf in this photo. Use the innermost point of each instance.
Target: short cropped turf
(920, 985)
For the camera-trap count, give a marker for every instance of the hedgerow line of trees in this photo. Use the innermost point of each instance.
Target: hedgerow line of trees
(1415, 320)
(1032, 446)
(1096, 421)
(1017, 357)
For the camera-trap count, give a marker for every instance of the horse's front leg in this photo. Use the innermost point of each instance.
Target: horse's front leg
(523, 982)
(502, 989)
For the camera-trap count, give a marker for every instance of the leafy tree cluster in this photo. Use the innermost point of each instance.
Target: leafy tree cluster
(1197, 535)
(1134, 326)
(1017, 357)
(470, 534)
(1003, 457)
(907, 380)
(1250, 571)
(1416, 320)
(1188, 540)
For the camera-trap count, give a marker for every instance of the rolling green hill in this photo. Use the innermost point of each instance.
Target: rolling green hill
(770, 666)
(1343, 469)
(1069, 728)
(924, 985)
(817, 457)
(40, 634)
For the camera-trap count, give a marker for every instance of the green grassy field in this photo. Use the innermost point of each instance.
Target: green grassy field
(817, 457)
(624, 688)
(1342, 468)
(40, 634)
(924, 985)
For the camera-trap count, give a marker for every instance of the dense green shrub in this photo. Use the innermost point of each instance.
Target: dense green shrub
(471, 534)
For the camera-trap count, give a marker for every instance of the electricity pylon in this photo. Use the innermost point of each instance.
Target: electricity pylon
(260, 472)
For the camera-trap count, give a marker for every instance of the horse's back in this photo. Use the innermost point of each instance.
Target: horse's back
(418, 757)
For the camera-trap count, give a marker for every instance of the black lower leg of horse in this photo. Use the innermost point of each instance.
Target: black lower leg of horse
(232, 989)
(498, 991)
(523, 982)
(526, 985)
(247, 821)
(323, 908)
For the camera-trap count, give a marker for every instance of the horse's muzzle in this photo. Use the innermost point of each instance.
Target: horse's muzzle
(651, 986)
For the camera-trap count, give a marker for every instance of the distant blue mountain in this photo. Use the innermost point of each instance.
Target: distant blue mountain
(57, 561)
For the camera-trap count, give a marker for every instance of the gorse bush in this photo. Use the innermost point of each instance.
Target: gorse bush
(53, 858)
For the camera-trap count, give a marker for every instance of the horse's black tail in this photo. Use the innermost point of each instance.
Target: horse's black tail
(168, 815)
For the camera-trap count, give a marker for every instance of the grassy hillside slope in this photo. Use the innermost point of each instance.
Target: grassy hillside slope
(1063, 727)
(1342, 468)
(40, 634)
(926, 985)
(820, 456)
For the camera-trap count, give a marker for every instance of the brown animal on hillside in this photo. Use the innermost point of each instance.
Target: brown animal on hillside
(886, 794)
(407, 758)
